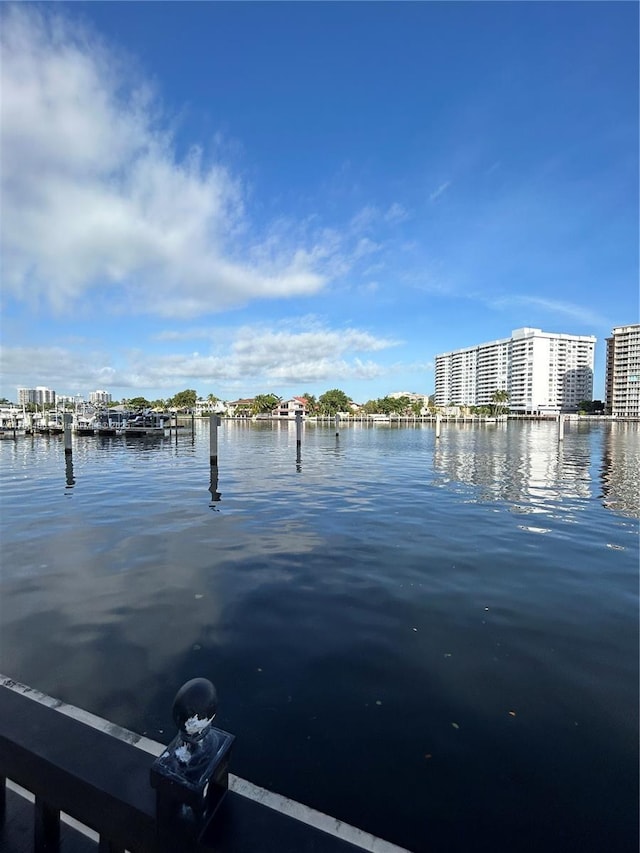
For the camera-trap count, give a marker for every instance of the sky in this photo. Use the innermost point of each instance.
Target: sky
(246, 198)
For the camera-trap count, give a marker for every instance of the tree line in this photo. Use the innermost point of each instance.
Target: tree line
(330, 403)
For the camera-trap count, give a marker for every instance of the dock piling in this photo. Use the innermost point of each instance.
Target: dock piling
(214, 423)
(298, 441)
(438, 420)
(298, 430)
(67, 421)
(560, 427)
(337, 423)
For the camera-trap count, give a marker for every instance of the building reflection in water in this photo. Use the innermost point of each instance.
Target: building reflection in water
(620, 471)
(526, 466)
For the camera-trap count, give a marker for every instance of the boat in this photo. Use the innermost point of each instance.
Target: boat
(144, 424)
(109, 423)
(85, 426)
(55, 425)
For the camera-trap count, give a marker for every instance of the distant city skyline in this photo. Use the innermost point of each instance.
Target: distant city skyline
(247, 198)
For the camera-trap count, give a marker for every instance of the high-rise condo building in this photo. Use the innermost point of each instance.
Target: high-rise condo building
(542, 372)
(622, 390)
(37, 395)
(100, 397)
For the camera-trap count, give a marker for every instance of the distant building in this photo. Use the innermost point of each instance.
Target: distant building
(410, 395)
(240, 408)
(39, 396)
(209, 407)
(97, 397)
(68, 399)
(288, 408)
(541, 371)
(622, 383)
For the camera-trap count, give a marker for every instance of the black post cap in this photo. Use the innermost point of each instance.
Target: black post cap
(194, 708)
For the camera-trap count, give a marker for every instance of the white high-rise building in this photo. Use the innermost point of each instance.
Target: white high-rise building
(100, 397)
(37, 395)
(541, 371)
(622, 393)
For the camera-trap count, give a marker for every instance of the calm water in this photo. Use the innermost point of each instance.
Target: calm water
(437, 642)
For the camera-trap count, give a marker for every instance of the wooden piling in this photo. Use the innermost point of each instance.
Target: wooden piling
(214, 422)
(67, 421)
(560, 427)
(438, 420)
(337, 423)
(298, 430)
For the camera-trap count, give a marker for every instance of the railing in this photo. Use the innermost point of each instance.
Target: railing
(128, 793)
(133, 801)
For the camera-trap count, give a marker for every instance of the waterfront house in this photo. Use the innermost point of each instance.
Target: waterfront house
(288, 408)
(240, 408)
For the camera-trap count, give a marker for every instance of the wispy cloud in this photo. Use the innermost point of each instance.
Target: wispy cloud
(371, 216)
(396, 213)
(96, 199)
(577, 313)
(439, 190)
(189, 334)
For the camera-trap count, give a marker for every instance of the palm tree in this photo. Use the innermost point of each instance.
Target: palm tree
(265, 403)
(312, 403)
(499, 397)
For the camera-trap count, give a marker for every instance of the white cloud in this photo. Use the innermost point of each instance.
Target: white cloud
(95, 199)
(57, 367)
(577, 313)
(365, 218)
(439, 190)
(396, 213)
(301, 352)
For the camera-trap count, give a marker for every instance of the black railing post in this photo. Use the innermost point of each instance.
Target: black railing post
(191, 776)
(3, 800)
(46, 836)
(107, 846)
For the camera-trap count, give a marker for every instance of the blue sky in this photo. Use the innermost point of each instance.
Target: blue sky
(284, 197)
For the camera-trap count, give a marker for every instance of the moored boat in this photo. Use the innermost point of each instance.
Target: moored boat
(144, 425)
(85, 426)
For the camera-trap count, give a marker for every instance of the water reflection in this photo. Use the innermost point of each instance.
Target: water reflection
(530, 467)
(369, 577)
(68, 464)
(620, 472)
(213, 488)
(526, 465)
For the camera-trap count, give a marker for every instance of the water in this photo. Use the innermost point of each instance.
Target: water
(435, 641)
